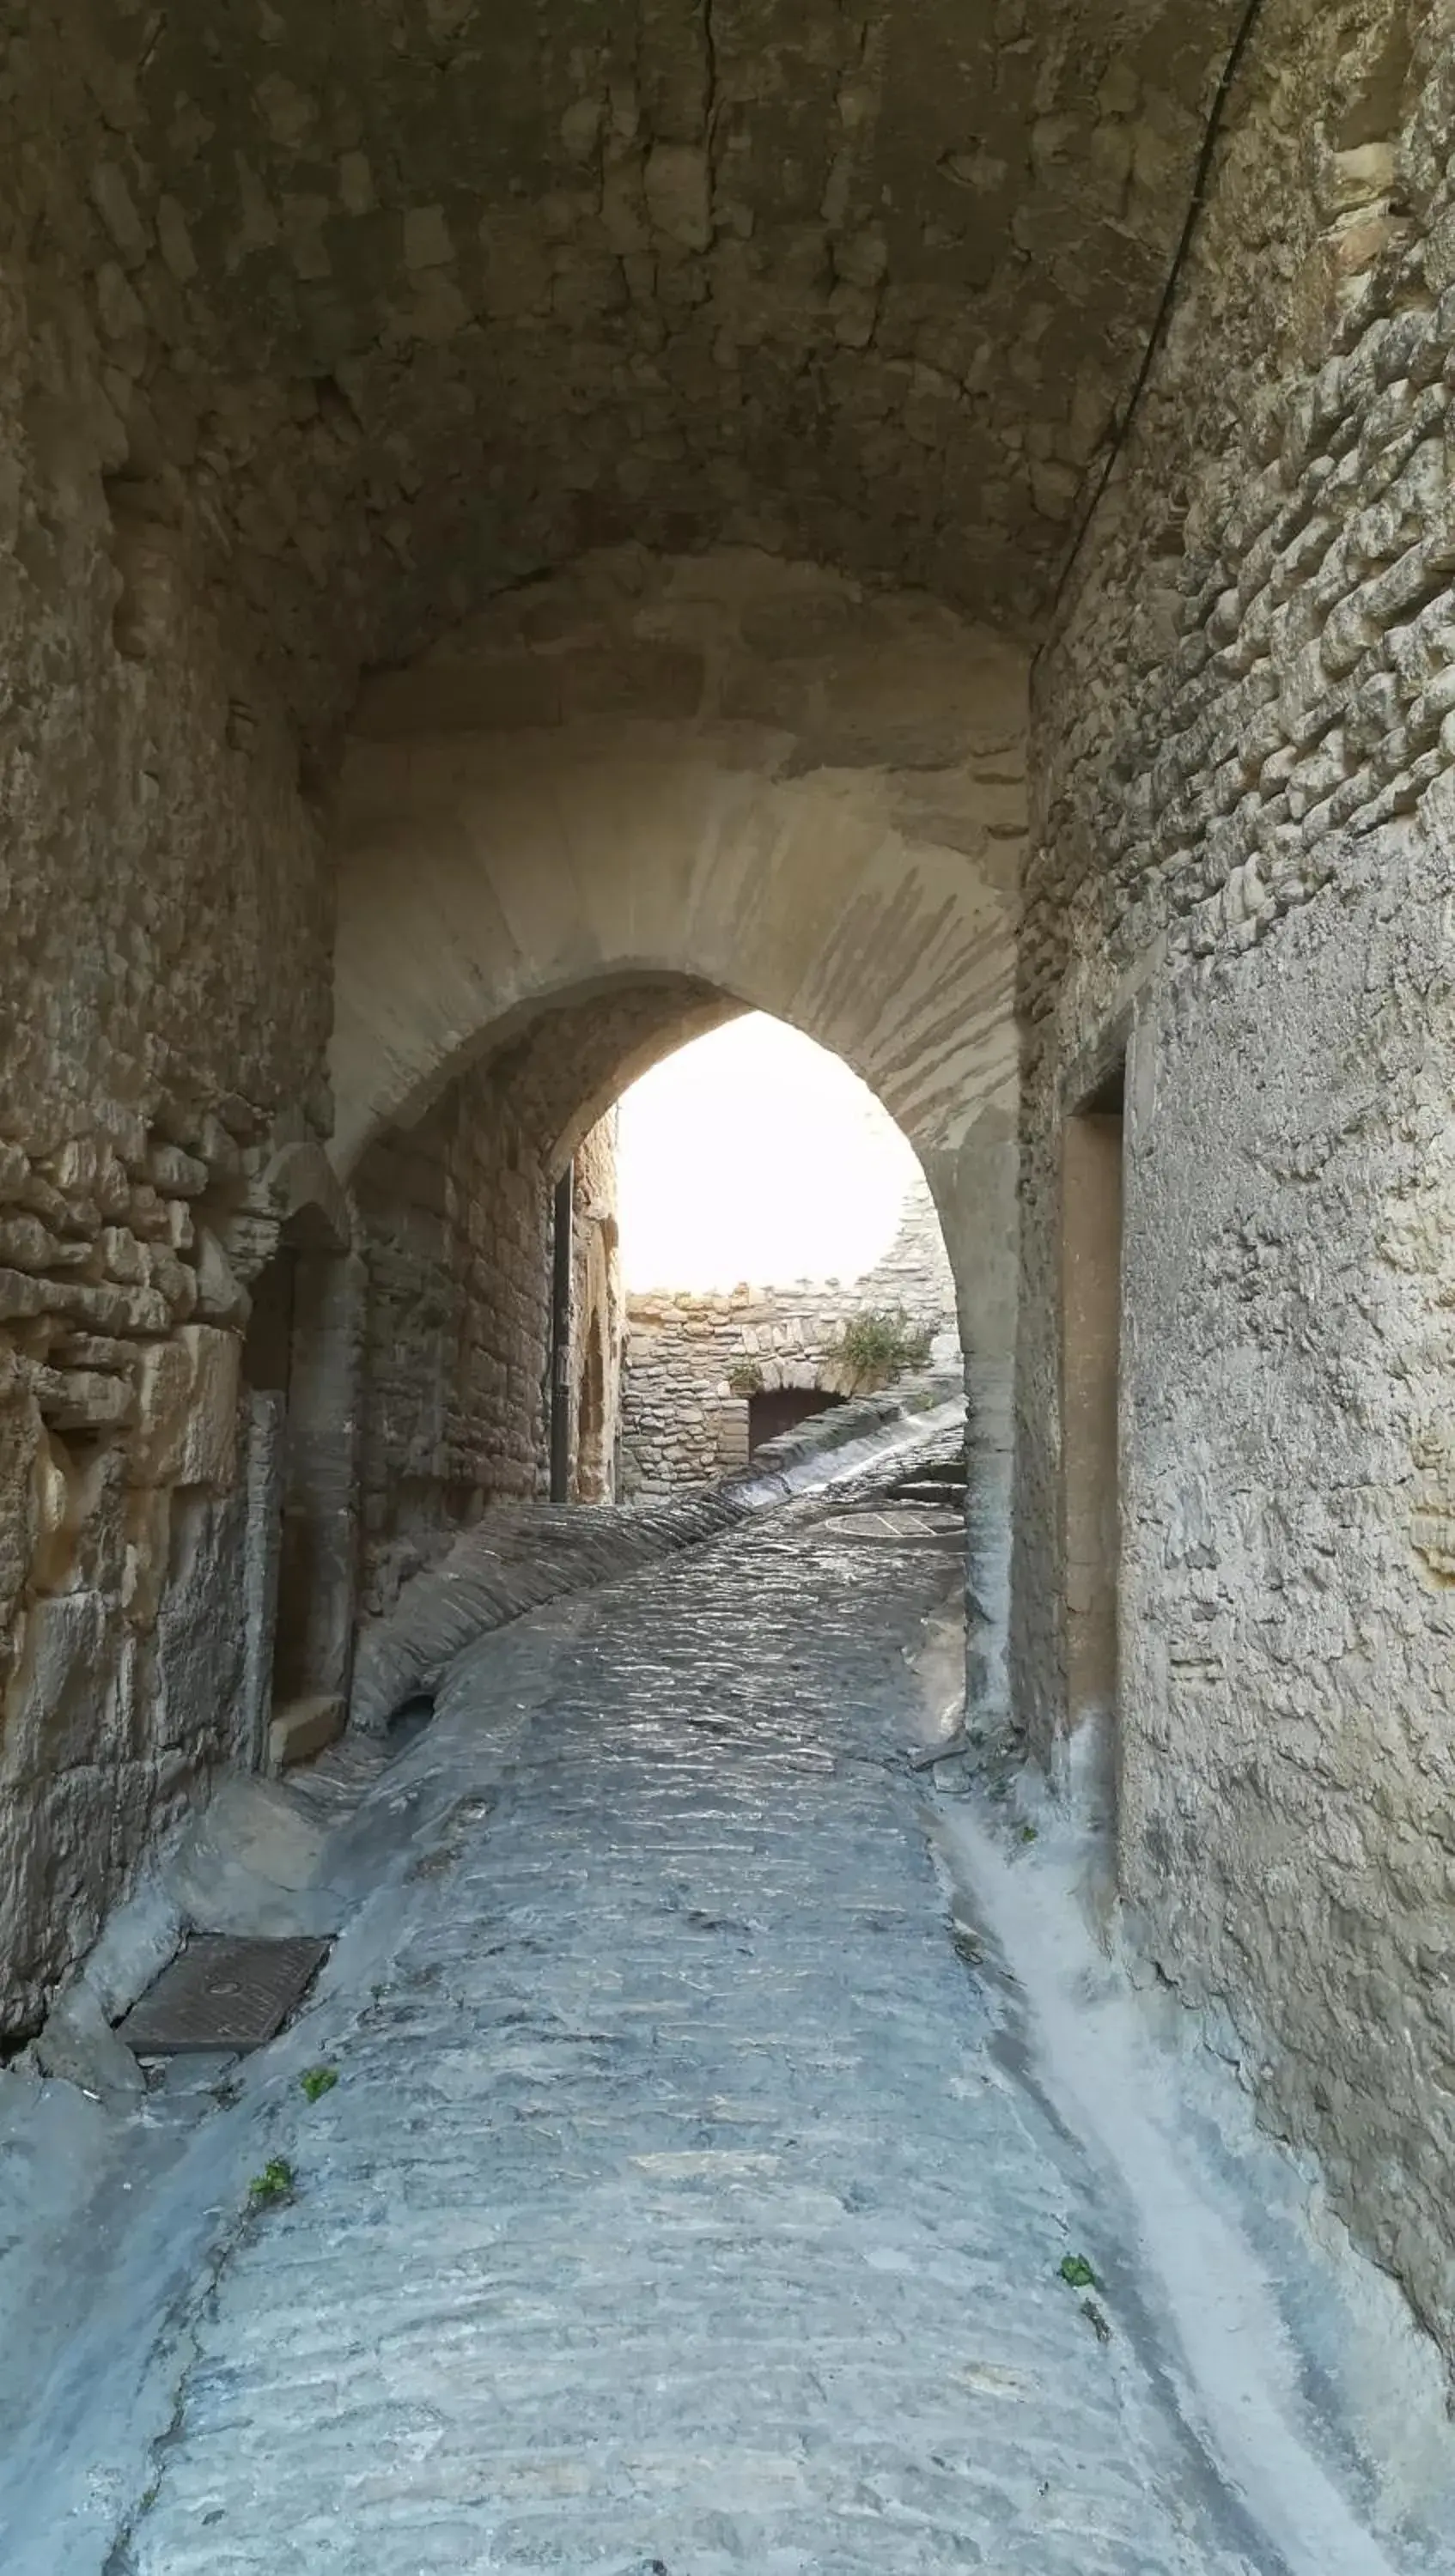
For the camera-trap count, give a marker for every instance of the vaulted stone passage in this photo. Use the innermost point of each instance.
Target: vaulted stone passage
(527, 530)
(809, 800)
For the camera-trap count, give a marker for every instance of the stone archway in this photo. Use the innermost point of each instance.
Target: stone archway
(798, 794)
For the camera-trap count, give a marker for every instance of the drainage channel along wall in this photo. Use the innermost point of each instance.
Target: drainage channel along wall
(1237, 956)
(695, 1360)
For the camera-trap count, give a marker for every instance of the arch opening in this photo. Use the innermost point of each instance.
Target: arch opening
(807, 799)
(457, 1215)
(781, 1253)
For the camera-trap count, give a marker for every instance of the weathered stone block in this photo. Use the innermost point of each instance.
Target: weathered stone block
(302, 1729)
(174, 1173)
(84, 1399)
(221, 1298)
(146, 1535)
(71, 1701)
(123, 1257)
(187, 1409)
(103, 1308)
(198, 1646)
(21, 1438)
(21, 1295)
(27, 1244)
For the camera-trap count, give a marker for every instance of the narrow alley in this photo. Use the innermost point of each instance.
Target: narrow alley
(679, 2204)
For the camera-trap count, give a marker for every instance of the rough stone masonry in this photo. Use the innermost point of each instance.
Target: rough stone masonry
(693, 1359)
(526, 531)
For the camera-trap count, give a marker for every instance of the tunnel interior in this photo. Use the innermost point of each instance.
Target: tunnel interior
(458, 1212)
(932, 524)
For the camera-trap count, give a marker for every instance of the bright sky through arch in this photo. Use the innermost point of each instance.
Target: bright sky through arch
(755, 1155)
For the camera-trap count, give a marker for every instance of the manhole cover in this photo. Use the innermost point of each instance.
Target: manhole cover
(221, 1993)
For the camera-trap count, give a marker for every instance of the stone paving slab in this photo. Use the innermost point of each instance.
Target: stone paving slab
(677, 2208)
(523, 1555)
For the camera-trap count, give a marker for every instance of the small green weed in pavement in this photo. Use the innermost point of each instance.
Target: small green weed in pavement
(318, 2080)
(275, 2182)
(1077, 2273)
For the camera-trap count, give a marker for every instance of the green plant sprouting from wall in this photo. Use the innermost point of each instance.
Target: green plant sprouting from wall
(879, 1345)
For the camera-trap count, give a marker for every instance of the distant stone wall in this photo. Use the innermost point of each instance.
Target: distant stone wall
(694, 1358)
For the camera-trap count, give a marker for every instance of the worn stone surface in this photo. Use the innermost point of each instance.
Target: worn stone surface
(518, 1557)
(457, 1217)
(825, 821)
(672, 2205)
(456, 1214)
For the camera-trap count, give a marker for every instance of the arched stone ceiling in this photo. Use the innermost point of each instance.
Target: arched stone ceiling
(401, 301)
(569, 1062)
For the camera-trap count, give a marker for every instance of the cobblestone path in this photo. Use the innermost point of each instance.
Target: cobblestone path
(678, 2208)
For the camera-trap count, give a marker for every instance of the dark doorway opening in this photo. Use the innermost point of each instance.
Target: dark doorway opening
(1091, 1309)
(298, 1373)
(781, 1408)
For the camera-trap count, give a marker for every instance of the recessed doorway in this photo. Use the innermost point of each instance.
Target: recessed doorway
(1091, 1309)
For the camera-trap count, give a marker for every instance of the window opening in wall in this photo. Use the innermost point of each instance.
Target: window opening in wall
(780, 1409)
(1091, 1307)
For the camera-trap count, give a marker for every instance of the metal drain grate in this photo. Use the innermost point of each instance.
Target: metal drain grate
(222, 1994)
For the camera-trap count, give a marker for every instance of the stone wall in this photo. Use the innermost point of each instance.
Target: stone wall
(1241, 884)
(163, 1004)
(457, 1223)
(136, 1488)
(404, 310)
(693, 1358)
(597, 1317)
